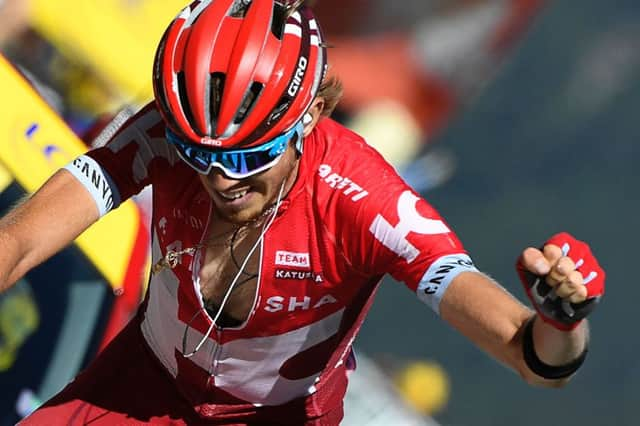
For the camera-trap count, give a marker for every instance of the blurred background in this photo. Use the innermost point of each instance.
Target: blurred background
(515, 118)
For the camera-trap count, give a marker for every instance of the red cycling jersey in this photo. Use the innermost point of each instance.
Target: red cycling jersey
(347, 221)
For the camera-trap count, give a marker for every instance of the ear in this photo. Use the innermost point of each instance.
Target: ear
(312, 116)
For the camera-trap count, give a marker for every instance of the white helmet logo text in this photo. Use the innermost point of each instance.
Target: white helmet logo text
(294, 87)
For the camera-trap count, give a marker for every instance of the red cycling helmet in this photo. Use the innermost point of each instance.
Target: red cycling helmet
(237, 73)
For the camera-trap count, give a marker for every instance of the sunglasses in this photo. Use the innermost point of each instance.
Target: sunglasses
(235, 163)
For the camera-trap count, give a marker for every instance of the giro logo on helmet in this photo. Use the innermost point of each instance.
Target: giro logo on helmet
(210, 141)
(294, 87)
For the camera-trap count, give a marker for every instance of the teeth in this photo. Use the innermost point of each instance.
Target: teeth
(233, 195)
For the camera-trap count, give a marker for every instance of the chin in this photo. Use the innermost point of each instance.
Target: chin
(241, 216)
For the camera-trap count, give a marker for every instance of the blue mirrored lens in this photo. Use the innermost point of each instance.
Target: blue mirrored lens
(235, 163)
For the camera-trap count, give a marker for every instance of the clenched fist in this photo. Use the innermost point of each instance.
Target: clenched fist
(563, 280)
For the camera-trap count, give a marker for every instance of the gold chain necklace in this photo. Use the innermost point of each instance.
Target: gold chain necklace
(173, 257)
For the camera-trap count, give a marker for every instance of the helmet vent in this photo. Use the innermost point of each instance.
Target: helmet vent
(239, 8)
(280, 14)
(215, 95)
(186, 108)
(248, 102)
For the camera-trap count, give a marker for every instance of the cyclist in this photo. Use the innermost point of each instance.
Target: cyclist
(273, 226)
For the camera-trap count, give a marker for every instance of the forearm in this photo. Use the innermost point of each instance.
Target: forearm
(42, 225)
(500, 329)
(13, 256)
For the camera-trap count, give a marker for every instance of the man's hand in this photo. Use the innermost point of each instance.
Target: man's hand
(563, 280)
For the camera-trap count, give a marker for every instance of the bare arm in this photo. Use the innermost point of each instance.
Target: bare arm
(494, 320)
(42, 225)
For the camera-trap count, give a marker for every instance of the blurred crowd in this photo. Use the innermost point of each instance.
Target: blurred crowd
(408, 69)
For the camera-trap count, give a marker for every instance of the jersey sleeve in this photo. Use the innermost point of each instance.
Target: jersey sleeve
(126, 164)
(400, 233)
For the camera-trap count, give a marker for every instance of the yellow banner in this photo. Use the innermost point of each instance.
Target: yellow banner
(117, 38)
(34, 143)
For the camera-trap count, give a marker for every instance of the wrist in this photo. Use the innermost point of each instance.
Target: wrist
(542, 368)
(562, 326)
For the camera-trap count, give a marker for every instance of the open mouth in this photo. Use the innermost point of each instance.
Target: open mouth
(233, 195)
(236, 197)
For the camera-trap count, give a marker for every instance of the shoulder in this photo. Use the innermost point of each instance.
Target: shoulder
(146, 124)
(352, 184)
(137, 149)
(141, 136)
(346, 166)
(379, 221)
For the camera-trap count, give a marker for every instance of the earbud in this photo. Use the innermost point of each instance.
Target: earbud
(307, 119)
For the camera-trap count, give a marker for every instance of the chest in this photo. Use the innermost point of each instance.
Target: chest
(229, 273)
(295, 274)
(284, 277)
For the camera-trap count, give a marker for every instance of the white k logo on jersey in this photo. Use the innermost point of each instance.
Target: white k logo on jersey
(395, 237)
